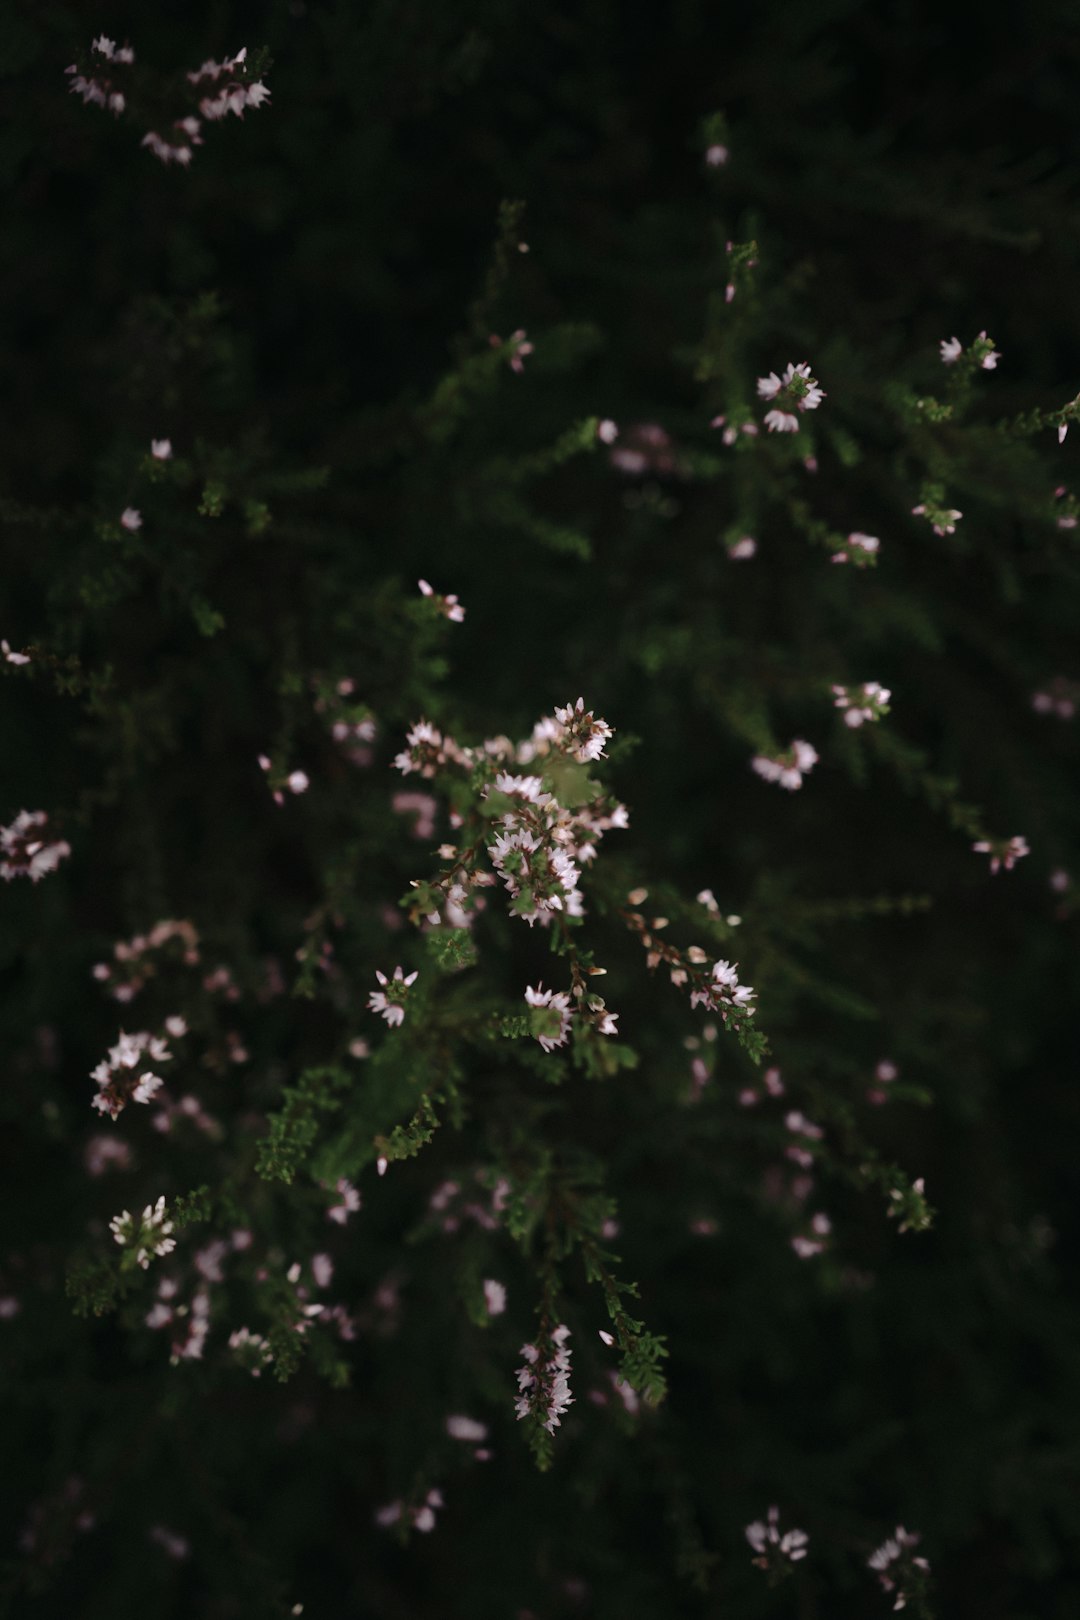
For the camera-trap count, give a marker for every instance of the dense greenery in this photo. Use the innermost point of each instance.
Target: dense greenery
(453, 305)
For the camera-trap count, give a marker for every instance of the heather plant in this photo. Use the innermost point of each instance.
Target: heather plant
(538, 701)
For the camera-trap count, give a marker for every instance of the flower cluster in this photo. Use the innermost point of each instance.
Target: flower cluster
(796, 391)
(862, 703)
(220, 87)
(448, 606)
(148, 1237)
(390, 1001)
(646, 448)
(544, 1381)
(896, 1566)
(776, 1551)
(942, 519)
(584, 735)
(1003, 852)
(551, 1015)
(421, 1517)
(981, 355)
(251, 1350)
(96, 89)
(519, 348)
(352, 724)
(134, 959)
(117, 1078)
(536, 844)
(552, 1027)
(1060, 698)
(717, 989)
(26, 851)
(860, 549)
(787, 768)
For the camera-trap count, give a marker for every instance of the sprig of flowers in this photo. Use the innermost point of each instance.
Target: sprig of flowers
(148, 1237)
(390, 1001)
(795, 392)
(1003, 852)
(777, 1550)
(116, 1077)
(898, 1568)
(544, 1380)
(862, 704)
(221, 88)
(26, 851)
(787, 768)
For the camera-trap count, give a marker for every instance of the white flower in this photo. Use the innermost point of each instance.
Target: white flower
(391, 1006)
(25, 851)
(149, 1237)
(559, 1003)
(862, 703)
(161, 449)
(951, 350)
(130, 519)
(1003, 852)
(989, 361)
(586, 734)
(467, 1429)
(13, 657)
(494, 1296)
(781, 422)
(797, 389)
(348, 1205)
(449, 606)
(771, 1546)
(744, 548)
(786, 769)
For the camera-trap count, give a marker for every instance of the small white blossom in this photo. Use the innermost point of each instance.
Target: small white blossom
(130, 519)
(1003, 852)
(467, 1429)
(116, 1078)
(773, 1547)
(494, 1296)
(895, 1566)
(161, 449)
(787, 768)
(448, 606)
(148, 1237)
(862, 703)
(797, 390)
(586, 734)
(25, 850)
(556, 1030)
(743, 549)
(390, 1001)
(781, 422)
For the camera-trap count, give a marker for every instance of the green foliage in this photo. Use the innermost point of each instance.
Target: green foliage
(294, 1128)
